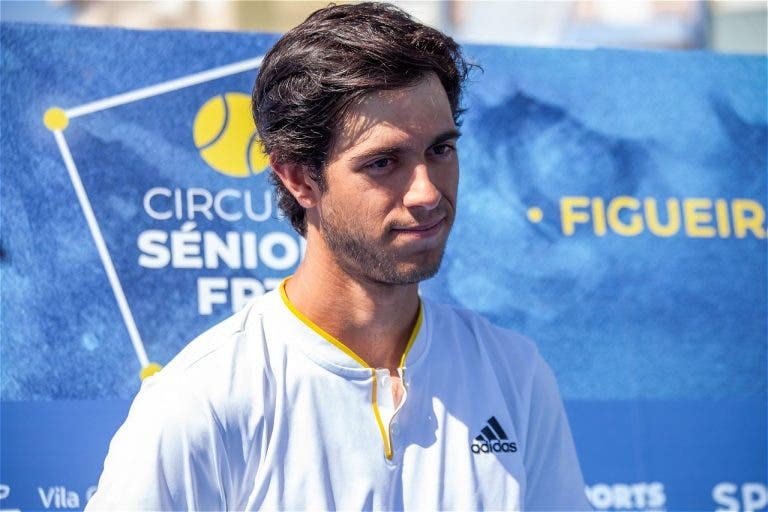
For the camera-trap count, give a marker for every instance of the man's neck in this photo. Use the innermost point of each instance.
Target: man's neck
(375, 321)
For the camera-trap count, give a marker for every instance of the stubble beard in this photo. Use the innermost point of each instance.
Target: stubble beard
(358, 254)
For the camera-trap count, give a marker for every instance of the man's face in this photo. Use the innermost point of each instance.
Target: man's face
(390, 190)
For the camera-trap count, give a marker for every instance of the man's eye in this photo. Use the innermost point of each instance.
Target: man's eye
(442, 149)
(380, 164)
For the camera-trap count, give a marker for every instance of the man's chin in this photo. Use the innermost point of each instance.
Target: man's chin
(385, 263)
(413, 273)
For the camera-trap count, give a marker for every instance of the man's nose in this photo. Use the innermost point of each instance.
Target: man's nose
(421, 191)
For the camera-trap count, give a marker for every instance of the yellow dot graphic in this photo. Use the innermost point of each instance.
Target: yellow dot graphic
(535, 214)
(224, 133)
(55, 119)
(149, 370)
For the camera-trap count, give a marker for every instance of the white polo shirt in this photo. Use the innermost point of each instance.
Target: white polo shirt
(267, 411)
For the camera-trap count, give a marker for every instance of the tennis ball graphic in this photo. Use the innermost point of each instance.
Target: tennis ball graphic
(226, 136)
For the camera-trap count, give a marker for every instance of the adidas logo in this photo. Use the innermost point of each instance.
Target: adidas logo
(493, 439)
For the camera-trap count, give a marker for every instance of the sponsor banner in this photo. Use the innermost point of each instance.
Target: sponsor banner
(672, 455)
(611, 207)
(635, 455)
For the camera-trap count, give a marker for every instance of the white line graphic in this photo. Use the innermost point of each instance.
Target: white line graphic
(106, 260)
(59, 119)
(163, 87)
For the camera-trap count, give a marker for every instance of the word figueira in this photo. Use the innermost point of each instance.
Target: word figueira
(693, 217)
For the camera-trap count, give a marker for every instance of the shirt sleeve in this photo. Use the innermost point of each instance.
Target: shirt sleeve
(554, 479)
(164, 456)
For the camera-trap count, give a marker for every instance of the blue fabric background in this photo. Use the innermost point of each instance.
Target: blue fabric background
(666, 337)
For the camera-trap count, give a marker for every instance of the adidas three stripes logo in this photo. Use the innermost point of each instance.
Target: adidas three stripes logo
(492, 439)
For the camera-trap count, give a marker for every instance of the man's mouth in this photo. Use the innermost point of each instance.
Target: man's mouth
(424, 229)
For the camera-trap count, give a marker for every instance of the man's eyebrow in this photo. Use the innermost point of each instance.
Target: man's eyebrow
(377, 151)
(447, 135)
(390, 150)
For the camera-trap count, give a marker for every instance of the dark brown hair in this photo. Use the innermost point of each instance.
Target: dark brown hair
(336, 56)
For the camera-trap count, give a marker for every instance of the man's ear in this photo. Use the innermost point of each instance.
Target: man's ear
(296, 179)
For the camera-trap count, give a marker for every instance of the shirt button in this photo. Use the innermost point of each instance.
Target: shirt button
(395, 429)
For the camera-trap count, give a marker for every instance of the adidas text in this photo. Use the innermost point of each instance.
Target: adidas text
(495, 446)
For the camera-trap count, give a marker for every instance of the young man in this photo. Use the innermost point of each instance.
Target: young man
(343, 389)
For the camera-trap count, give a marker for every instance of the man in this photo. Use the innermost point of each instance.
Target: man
(343, 389)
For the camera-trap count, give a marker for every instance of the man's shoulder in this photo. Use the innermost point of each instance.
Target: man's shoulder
(179, 423)
(222, 341)
(223, 336)
(229, 356)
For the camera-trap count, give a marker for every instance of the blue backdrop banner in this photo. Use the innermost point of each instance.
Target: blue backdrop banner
(611, 207)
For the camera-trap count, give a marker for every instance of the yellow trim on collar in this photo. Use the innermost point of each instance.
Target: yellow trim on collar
(339, 344)
(375, 401)
(319, 330)
(388, 449)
